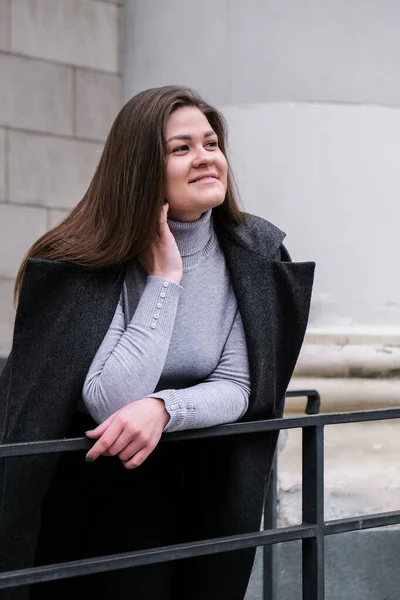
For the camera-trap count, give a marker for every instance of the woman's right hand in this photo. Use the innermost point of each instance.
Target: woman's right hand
(162, 257)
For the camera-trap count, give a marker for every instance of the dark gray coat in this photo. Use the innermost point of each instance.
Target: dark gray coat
(63, 315)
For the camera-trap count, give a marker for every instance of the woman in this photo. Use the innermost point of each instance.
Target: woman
(155, 306)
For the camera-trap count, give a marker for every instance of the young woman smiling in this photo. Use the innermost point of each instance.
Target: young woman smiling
(156, 306)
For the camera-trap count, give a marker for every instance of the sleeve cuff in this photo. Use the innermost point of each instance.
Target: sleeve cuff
(180, 411)
(158, 305)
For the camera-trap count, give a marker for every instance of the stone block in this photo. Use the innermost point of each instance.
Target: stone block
(6, 315)
(76, 32)
(56, 216)
(35, 95)
(2, 165)
(20, 226)
(50, 171)
(5, 25)
(98, 99)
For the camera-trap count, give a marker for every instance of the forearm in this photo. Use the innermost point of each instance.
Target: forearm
(204, 405)
(129, 362)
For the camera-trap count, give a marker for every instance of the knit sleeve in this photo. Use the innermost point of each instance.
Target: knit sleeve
(222, 397)
(129, 362)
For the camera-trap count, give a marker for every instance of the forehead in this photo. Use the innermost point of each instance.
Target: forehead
(187, 120)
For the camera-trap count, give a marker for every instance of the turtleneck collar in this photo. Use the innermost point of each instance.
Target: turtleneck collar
(194, 239)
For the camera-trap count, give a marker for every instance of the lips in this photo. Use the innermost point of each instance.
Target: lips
(204, 176)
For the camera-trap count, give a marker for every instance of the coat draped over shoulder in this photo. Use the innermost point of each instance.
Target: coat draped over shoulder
(64, 313)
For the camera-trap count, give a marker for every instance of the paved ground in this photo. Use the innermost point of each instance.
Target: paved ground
(254, 591)
(362, 471)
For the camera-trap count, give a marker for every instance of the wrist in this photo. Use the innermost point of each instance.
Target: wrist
(171, 276)
(160, 404)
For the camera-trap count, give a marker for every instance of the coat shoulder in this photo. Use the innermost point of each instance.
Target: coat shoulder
(50, 275)
(259, 235)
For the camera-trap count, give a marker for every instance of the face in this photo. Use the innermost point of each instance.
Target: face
(197, 170)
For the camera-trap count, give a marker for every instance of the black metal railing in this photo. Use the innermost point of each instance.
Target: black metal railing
(312, 531)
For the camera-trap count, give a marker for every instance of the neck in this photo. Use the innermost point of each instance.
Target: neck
(192, 237)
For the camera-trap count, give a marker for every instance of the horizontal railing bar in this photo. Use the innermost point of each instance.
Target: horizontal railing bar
(47, 447)
(359, 416)
(253, 427)
(300, 393)
(362, 522)
(115, 562)
(320, 420)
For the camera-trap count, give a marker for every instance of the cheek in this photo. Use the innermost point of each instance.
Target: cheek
(175, 180)
(172, 176)
(224, 169)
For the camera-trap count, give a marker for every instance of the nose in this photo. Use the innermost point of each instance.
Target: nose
(203, 157)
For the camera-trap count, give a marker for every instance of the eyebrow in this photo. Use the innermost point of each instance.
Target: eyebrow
(189, 137)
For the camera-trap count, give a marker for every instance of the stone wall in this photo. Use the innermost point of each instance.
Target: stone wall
(61, 87)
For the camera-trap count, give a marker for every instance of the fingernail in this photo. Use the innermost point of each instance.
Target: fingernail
(88, 431)
(89, 459)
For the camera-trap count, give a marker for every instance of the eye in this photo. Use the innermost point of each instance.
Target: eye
(212, 144)
(181, 148)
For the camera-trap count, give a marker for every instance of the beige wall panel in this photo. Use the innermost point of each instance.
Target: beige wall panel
(37, 96)
(4, 24)
(19, 228)
(98, 99)
(50, 171)
(6, 315)
(2, 165)
(77, 32)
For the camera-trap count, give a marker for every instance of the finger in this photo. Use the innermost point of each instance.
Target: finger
(137, 459)
(123, 441)
(105, 441)
(100, 429)
(129, 450)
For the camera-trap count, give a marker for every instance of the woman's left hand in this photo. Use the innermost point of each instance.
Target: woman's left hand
(132, 432)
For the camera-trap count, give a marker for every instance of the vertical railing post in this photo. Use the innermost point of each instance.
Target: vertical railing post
(271, 506)
(313, 512)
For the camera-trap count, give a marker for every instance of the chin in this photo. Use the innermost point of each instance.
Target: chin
(213, 201)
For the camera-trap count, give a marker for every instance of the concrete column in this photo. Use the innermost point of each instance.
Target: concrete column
(311, 94)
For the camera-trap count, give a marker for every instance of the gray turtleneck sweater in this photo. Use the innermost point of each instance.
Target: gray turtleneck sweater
(183, 344)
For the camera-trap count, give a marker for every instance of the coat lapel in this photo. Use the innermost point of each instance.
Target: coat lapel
(274, 299)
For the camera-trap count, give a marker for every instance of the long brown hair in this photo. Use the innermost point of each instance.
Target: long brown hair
(118, 216)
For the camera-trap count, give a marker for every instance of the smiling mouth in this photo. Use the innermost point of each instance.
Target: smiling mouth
(205, 179)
